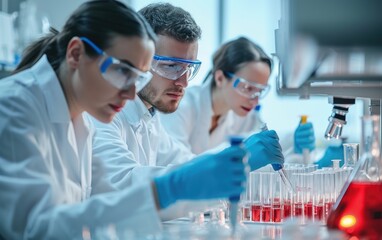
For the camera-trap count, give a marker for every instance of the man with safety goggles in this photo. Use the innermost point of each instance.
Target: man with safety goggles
(135, 144)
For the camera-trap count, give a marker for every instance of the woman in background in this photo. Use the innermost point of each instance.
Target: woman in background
(227, 103)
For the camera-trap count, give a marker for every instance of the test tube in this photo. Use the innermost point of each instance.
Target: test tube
(245, 203)
(308, 195)
(329, 194)
(266, 196)
(318, 198)
(298, 200)
(256, 188)
(277, 198)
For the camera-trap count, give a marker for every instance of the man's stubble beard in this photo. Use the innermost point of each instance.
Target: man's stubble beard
(148, 94)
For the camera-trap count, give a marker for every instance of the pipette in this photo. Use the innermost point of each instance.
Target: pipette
(234, 200)
(279, 168)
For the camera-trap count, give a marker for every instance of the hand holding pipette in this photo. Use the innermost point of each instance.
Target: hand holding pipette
(279, 168)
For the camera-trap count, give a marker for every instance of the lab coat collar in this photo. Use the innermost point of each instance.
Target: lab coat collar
(136, 111)
(52, 91)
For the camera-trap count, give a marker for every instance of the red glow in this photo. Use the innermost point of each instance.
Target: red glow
(363, 202)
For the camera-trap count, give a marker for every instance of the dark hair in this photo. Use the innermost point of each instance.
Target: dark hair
(233, 55)
(171, 21)
(98, 20)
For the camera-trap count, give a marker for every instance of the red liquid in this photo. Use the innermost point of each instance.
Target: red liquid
(298, 209)
(287, 209)
(266, 213)
(362, 204)
(246, 214)
(318, 212)
(256, 213)
(308, 210)
(276, 213)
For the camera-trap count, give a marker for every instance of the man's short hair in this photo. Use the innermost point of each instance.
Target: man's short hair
(171, 21)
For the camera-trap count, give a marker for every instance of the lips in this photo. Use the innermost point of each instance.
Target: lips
(116, 107)
(175, 95)
(246, 109)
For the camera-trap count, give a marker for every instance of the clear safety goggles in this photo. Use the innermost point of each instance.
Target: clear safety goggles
(248, 89)
(174, 68)
(119, 74)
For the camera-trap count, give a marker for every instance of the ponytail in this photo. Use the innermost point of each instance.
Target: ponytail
(37, 49)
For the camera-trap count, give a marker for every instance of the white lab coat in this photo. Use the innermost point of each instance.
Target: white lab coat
(191, 122)
(135, 147)
(46, 171)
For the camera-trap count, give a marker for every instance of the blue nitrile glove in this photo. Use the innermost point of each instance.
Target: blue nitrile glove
(209, 176)
(332, 152)
(304, 137)
(264, 148)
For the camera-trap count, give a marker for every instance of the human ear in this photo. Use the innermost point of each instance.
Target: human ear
(74, 51)
(219, 78)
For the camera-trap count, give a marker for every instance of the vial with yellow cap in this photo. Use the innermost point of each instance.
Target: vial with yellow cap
(305, 151)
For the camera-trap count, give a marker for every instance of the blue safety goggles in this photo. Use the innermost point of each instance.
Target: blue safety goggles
(173, 68)
(119, 74)
(248, 89)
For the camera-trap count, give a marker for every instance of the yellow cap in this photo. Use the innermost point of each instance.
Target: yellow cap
(304, 119)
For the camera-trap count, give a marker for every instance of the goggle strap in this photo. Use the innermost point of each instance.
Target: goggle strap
(105, 64)
(236, 82)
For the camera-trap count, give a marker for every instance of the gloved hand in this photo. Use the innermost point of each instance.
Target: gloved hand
(332, 152)
(304, 137)
(264, 148)
(206, 177)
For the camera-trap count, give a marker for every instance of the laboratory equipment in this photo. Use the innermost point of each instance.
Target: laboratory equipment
(279, 168)
(277, 198)
(266, 197)
(358, 210)
(324, 56)
(351, 154)
(305, 151)
(234, 200)
(256, 190)
(338, 117)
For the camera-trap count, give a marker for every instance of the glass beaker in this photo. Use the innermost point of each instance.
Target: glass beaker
(351, 154)
(358, 210)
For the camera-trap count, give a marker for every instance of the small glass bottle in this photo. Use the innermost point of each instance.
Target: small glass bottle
(358, 210)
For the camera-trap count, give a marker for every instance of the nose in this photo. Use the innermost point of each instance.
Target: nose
(128, 93)
(182, 81)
